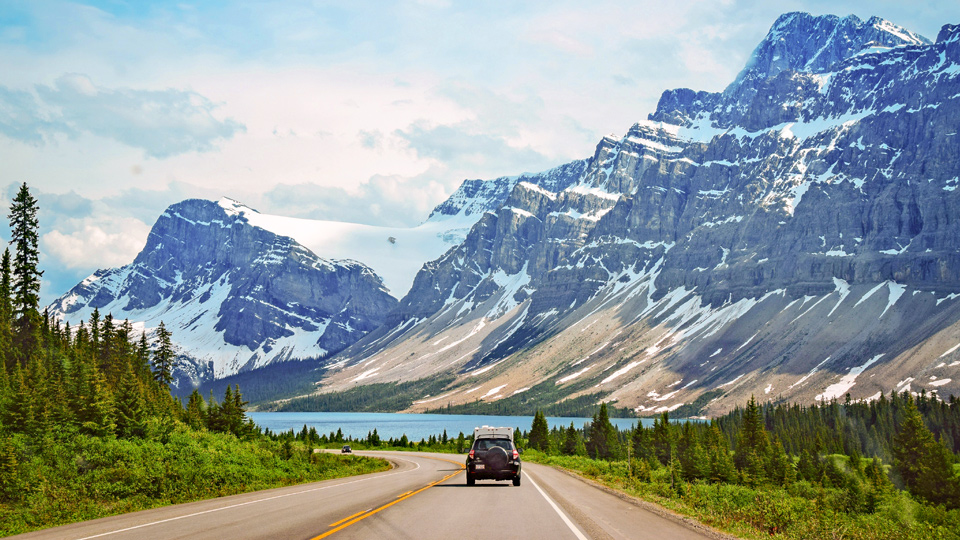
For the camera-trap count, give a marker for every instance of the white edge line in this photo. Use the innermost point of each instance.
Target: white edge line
(563, 516)
(251, 502)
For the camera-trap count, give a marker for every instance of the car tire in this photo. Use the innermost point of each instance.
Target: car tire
(471, 480)
(516, 480)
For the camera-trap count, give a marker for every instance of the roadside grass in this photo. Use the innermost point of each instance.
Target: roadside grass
(801, 511)
(56, 482)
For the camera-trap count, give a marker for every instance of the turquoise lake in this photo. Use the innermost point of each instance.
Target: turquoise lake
(415, 426)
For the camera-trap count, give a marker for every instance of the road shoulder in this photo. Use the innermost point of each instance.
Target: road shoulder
(594, 522)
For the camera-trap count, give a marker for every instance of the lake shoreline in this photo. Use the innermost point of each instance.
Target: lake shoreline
(415, 426)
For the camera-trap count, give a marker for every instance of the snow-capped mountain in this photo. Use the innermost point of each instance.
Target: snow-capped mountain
(794, 236)
(241, 289)
(235, 295)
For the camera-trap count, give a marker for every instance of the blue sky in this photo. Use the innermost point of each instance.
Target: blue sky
(360, 111)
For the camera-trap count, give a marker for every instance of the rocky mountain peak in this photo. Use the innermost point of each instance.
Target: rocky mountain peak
(475, 197)
(803, 42)
(949, 32)
(786, 72)
(808, 43)
(235, 295)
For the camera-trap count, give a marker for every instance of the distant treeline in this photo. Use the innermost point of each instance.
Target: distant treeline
(393, 397)
(262, 385)
(377, 397)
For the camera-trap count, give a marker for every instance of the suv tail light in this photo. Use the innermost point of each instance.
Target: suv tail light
(516, 455)
(471, 453)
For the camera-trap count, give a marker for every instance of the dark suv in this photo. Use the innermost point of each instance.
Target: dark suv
(493, 458)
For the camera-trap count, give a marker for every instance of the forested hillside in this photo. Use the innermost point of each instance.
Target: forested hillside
(88, 426)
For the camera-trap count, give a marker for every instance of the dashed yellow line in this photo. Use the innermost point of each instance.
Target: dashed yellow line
(360, 516)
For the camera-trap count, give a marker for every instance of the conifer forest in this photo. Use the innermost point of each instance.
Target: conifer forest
(881, 469)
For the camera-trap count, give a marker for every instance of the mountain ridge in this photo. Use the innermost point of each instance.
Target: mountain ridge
(236, 296)
(789, 237)
(722, 209)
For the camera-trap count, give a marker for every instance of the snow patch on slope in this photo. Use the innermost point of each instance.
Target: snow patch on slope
(396, 254)
(836, 390)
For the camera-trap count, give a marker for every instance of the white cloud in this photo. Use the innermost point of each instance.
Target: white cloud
(391, 201)
(162, 123)
(97, 242)
(366, 111)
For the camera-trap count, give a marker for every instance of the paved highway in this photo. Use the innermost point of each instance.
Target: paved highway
(423, 497)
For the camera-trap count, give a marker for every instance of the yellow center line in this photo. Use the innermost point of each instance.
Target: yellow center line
(350, 517)
(364, 515)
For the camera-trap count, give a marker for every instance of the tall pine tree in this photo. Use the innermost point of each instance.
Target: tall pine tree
(164, 357)
(6, 311)
(923, 463)
(602, 441)
(26, 274)
(539, 433)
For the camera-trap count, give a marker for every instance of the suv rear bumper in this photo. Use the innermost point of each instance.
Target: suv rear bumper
(512, 471)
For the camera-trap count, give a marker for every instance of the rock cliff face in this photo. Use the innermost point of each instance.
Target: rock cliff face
(478, 196)
(235, 296)
(793, 236)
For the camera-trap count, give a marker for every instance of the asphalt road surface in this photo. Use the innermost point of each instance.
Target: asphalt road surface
(423, 497)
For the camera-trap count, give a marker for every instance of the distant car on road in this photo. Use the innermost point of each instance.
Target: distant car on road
(346, 449)
(493, 456)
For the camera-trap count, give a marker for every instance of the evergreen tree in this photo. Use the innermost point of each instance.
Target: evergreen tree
(753, 440)
(97, 410)
(602, 441)
(876, 476)
(753, 473)
(923, 463)
(10, 485)
(164, 357)
(228, 412)
(780, 468)
(4, 390)
(95, 330)
(19, 413)
(640, 439)
(662, 439)
(6, 312)
(571, 441)
(194, 415)
(539, 433)
(131, 406)
(721, 464)
(38, 392)
(808, 468)
(108, 349)
(694, 462)
(143, 350)
(26, 275)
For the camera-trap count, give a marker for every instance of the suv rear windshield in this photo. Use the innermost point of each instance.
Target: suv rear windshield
(487, 444)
